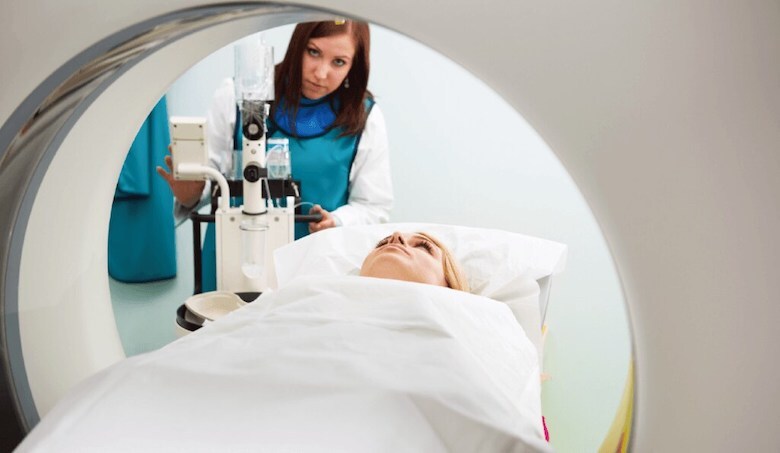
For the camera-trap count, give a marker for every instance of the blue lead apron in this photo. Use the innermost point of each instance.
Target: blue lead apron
(320, 159)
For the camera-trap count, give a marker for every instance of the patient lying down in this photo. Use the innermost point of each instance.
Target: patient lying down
(414, 257)
(325, 363)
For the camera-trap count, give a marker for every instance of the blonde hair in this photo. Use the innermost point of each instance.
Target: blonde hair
(453, 274)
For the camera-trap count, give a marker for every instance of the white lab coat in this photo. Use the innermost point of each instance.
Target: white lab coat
(370, 185)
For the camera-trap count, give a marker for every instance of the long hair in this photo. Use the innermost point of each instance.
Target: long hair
(351, 115)
(453, 274)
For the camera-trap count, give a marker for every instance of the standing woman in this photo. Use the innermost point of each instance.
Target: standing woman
(338, 139)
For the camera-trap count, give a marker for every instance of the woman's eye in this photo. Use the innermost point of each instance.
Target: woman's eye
(339, 62)
(426, 245)
(313, 52)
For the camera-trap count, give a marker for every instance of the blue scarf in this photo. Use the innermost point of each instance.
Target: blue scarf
(314, 117)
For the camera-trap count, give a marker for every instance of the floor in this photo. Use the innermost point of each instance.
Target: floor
(146, 312)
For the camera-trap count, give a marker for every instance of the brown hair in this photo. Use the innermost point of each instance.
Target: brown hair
(351, 115)
(453, 274)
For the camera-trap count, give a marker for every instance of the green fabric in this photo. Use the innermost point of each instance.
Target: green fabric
(141, 234)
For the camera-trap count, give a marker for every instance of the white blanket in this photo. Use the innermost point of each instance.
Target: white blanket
(347, 364)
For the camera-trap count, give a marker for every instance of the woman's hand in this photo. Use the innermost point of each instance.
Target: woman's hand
(327, 219)
(186, 192)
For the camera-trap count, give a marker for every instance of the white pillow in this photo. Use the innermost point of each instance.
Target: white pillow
(498, 264)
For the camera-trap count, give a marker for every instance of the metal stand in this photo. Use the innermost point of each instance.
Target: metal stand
(279, 188)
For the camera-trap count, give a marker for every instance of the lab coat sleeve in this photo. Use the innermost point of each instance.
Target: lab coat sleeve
(370, 184)
(220, 122)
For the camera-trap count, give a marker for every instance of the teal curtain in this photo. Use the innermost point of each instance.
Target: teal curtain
(141, 235)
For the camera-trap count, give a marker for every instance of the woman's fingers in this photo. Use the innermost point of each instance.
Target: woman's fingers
(326, 222)
(166, 176)
(187, 192)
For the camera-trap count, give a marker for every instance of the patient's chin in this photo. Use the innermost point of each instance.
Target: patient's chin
(395, 273)
(398, 266)
(388, 267)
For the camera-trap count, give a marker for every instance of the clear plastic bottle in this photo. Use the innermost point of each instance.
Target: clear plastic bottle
(278, 158)
(254, 69)
(253, 237)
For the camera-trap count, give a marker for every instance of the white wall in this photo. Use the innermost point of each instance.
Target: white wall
(454, 145)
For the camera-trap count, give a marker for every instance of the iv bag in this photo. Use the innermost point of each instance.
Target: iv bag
(254, 70)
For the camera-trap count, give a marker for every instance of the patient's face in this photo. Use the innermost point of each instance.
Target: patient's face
(410, 257)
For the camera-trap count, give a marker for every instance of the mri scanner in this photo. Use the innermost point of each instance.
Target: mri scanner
(667, 116)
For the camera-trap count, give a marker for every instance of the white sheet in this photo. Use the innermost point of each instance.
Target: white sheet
(324, 364)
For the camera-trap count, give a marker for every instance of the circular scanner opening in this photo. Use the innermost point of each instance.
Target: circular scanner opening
(500, 170)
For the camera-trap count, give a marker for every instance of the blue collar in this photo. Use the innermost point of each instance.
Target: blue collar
(314, 117)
